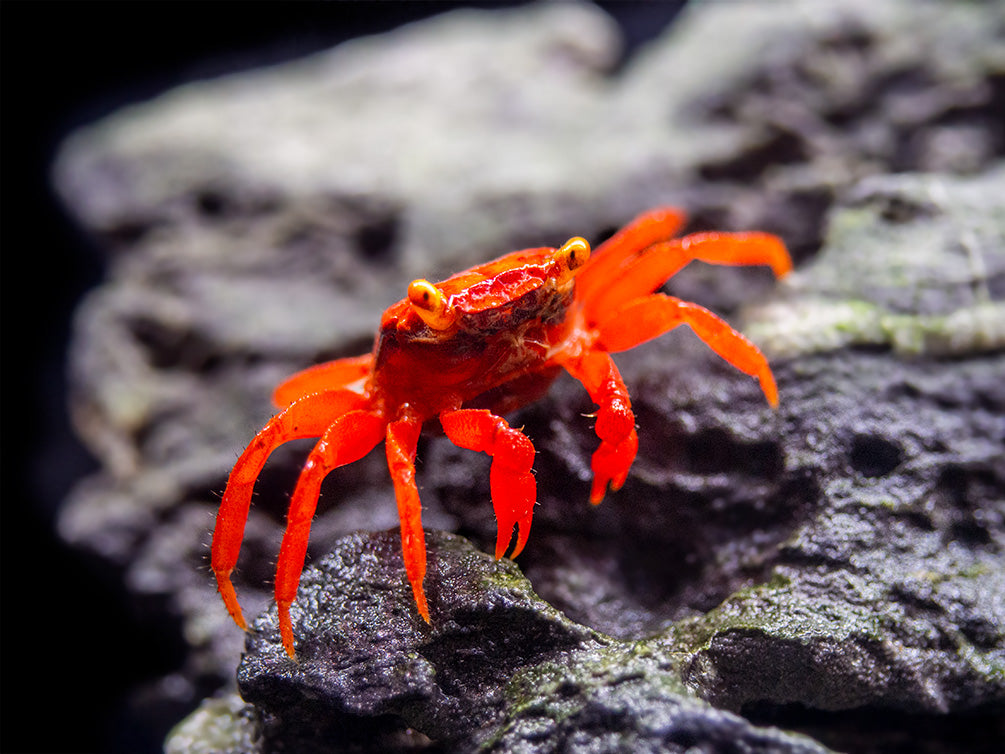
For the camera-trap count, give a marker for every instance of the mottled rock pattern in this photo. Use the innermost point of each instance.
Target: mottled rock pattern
(498, 669)
(221, 725)
(891, 589)
(624, 699)
(843, 553)
(366, 653)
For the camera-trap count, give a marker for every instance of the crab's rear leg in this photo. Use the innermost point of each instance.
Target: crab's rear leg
(651, 267)
(651, 316)
(306, 417)
(643, 231)
(513, 487)
(349, 438)
(326, 376)
(400, 444)
(615, 424)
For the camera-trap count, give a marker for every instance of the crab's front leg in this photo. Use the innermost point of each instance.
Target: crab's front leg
(307, 417)
(349, 438)
(400, 444)
(615, 424)
(513, 487)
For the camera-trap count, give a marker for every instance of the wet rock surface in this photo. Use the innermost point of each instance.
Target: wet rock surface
(367, 653)
(498, 669)
(834, 567)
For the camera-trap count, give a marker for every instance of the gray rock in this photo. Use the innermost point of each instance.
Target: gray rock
(890, 589)
(624, 699)
(498, 669)
(221, 725)
(366, 652)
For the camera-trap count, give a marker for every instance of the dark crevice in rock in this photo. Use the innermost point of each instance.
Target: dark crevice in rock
(377, 241)
(173, 347)
(777, 147)
(225, 202)
(873, 456)
(874, 730)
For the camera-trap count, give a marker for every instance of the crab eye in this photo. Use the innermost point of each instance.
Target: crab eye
(429, 303)
(572, 255)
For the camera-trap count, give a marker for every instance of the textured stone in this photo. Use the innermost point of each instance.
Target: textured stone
(223, 725)
(366, 653)
(498, 669)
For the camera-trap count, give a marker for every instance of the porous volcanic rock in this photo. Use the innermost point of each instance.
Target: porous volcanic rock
(497, 669)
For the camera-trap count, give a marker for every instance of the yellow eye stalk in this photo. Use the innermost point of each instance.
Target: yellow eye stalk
(430, 304)
(570, 256)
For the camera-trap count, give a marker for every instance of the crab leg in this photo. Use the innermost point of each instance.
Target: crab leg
(331, 374)
(349, 438)
(651, 316)
(615, 421)
(653, 266)
(514, 489)
(646, 229)
(307, 417)
(401, 442)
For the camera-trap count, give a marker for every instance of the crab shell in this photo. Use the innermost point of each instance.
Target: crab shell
(482, 337)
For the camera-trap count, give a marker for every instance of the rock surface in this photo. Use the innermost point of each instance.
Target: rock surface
(836, 567)
(497, 670)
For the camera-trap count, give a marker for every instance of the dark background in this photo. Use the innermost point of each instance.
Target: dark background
(72, 645)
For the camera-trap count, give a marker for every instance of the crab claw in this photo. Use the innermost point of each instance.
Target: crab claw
(610, 464)
(514, 489)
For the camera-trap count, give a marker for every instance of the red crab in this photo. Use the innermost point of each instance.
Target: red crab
(481, 343)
